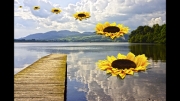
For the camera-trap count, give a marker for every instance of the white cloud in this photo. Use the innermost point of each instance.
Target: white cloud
(132, 13)
(16, 2)
(38, 27)
(156, 21)
(45, 7)
(17, 25)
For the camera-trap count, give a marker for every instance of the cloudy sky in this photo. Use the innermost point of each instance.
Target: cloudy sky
(131, 13)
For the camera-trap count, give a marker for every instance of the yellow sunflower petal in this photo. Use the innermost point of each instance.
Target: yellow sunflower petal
(142, 68)
(111, 59)
(107, 34)
(120, 56)
(106, 24)
(108, 71)
(130, 56)
(113, 24)
(122, 75)
(87, 14)
(120, 26)
(124, 30)
(129, 71)
(114, 74)
(99, 27)
(113, 71)
(112, 36)
(141, 60)
(119, 35)
(104, 67)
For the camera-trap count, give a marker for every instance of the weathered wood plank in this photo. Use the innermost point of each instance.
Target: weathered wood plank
(44, 80)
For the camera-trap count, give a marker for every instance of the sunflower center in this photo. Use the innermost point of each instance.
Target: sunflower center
(36, 7)
(111, 29)
(81, 15)
(56, 10)
(123, 63)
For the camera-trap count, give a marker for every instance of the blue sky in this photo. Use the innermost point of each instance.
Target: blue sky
(131, 13)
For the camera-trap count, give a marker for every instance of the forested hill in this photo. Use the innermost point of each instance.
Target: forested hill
(69, 36)
(147, 34)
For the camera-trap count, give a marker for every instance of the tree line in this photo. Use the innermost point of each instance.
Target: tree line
(147, 34)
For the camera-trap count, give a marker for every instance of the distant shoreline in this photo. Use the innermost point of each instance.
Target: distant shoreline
(58, 41)
(65, 41)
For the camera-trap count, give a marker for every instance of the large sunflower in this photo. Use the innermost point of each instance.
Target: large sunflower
(81, 15)
(123, 65)
(111, 30)
(20, 6)
(55, 10)
(36, 7)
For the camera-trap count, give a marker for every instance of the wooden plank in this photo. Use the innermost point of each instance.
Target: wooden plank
(44, 80)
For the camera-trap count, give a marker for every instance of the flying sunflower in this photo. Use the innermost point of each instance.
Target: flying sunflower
(111, 30)
(20, 6)
(81, 15)
(55, 10)
(36, 7)
(123, 65)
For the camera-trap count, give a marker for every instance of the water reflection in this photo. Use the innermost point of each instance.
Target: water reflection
(156, 52)
(24, 57)
(87, 83)
(149, 85)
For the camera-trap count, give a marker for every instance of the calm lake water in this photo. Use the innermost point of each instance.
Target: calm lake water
(87, 83)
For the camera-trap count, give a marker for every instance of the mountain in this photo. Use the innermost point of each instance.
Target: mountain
(53, 35)
(69, 36)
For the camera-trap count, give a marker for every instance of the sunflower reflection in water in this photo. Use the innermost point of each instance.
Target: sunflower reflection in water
(81, 15)
(36, 7)
(123, 65)
(56, 10)
(111, 30)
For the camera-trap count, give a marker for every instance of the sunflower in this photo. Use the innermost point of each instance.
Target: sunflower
(56, 10)
(36, 7)
(123, 65)
(111, 30)
(81, 15)
(20, 6)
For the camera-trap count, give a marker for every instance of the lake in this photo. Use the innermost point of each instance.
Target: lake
(87, 83)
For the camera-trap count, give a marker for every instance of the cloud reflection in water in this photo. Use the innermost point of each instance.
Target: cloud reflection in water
(148, 85)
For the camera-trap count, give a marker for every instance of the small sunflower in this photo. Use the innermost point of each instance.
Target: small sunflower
(123, 65)
(55, 10)
(111, 30)
(81, 15)
(20, 6)
(36, 7)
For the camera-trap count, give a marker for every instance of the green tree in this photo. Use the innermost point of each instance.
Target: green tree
(147, 34)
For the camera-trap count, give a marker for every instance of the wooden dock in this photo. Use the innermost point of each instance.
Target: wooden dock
(44, 80)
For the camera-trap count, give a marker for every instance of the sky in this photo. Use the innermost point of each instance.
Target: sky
(130, 13)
